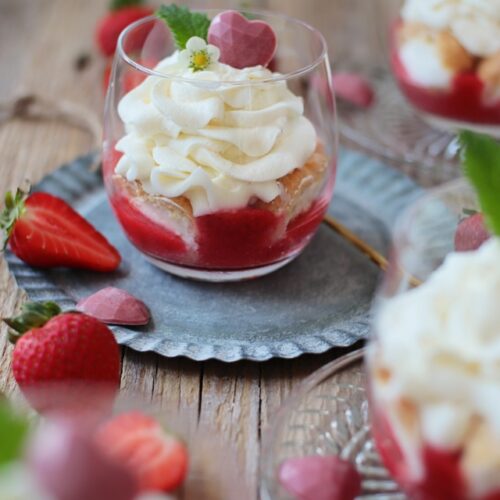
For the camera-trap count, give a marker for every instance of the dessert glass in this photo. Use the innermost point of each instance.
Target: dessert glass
(445, 57)
(430, 361)
(228, 242)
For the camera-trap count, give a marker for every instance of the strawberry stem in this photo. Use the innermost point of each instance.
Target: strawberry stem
(121, 4)
(14, 209)
(33, 315)
(469, 211)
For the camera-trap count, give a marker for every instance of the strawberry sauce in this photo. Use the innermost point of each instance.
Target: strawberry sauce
(464, 101)
(443, 477)
(230, 239)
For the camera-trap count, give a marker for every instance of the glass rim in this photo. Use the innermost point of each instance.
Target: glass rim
(120, 52)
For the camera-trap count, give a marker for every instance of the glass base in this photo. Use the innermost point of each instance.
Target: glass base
(421, 145)
(392, 131)
(449, 125)
(217, 276)
(327, 415)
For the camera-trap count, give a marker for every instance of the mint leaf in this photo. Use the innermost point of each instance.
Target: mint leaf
(481, 165)
(13, 433)
(183, 23)
(121, 4)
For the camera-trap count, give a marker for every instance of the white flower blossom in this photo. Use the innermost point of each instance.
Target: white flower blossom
(199, 55)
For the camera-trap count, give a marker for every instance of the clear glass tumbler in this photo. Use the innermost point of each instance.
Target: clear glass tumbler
(431, 376)
(166, 140)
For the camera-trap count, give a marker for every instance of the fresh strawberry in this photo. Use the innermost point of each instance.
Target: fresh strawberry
(158, 459)
(123, 13)
(63, 359)
(130, 79)
(471, 233)
(44, 231)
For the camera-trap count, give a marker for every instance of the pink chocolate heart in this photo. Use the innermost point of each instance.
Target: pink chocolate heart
(320, 478)
(242, 43)
(115, 306)
(353, 88)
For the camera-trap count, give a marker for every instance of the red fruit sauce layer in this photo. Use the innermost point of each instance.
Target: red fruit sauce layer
(228, 239)
(464, 101)
(443, 478)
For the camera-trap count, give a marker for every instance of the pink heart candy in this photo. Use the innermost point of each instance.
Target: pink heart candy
(320, 478)
(115, 306)
(353, 88)
(242, 43)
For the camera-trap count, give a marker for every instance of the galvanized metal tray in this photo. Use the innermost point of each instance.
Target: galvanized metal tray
(318, 302)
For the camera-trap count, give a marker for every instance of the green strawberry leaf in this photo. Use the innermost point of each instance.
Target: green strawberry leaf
(33, 315)
(13, 210)
(183, 23)
(13, 433)
(481, 165)
(122, 4)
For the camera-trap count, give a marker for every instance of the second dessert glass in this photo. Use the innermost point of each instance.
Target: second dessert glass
(431, 362)
(239, 153)
(426, 398)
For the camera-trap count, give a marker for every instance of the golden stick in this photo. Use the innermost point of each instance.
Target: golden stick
(364, 247)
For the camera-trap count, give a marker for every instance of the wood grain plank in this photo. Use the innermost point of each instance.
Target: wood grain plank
(178, 389)
(10, 300)
(231, 406)
(17, 17)
(139, 374)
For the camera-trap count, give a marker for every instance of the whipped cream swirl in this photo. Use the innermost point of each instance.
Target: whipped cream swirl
(474, 23)
(218, 144)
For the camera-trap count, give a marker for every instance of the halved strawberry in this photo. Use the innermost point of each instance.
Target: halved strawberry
(158, 459)
(471, 233)
(44, 231)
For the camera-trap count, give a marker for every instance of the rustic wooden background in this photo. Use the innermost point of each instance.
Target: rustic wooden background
(40, 42)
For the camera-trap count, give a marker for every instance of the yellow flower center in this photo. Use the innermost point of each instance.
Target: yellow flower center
(200, 60)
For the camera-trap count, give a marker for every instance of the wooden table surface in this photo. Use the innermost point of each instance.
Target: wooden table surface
(40, 41)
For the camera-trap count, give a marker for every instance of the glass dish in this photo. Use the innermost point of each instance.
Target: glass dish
(327, 415)
(433, 443)
(443, 65)
(332, 413)
(391, 128)
(392, 131)
(225, 244)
